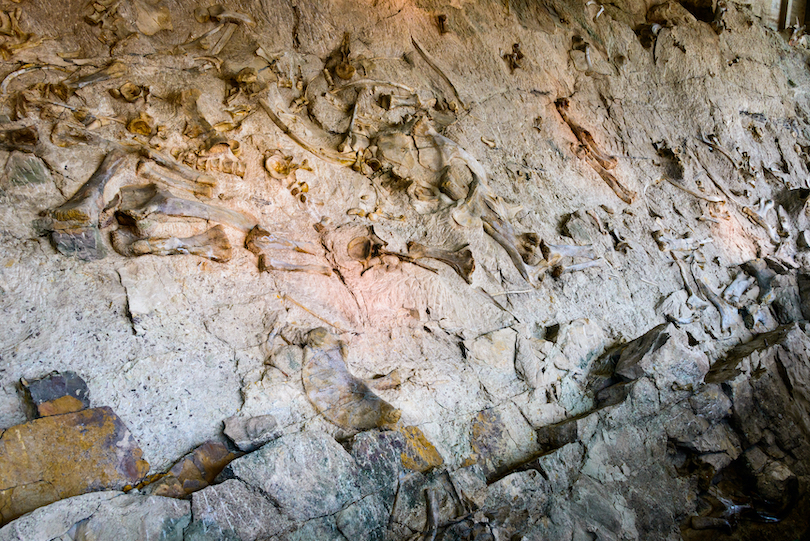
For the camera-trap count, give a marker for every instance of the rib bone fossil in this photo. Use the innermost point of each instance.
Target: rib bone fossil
(460, 260)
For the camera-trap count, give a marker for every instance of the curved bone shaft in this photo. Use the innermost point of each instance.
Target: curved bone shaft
(86, 204)
(728, 315)
(552, 253)
(267, 264)
(460, 260)
(212, 244)
(709, 198)
(737, 288)
(113, 70)
(560, 270)
(759, 215)
(140, 202)
(178, 168)
(503, 233)
(604, 159)
(688, 244)
(152, 171)
(764, 276)
(259, 240)
(625, 194)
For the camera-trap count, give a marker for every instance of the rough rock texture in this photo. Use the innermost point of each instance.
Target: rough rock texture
(524, 223)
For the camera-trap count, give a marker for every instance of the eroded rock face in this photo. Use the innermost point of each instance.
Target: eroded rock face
(560, 251)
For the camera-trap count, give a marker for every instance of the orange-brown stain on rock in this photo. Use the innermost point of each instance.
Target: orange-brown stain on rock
(419, 454)
(195, 471)
(60, 456)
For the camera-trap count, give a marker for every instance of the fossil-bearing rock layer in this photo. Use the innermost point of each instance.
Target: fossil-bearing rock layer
(471, 270)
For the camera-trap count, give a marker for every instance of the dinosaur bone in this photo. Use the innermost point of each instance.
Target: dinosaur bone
(111, 71)
(552, 253)
(141, 202)
(339, 396)
(737, 288)
(155, 173)
(687, 244)
(212, 244)
(728, 316)
(604, 159)
(178, 168)
(559, 270)
(764, 276)
(368, 247)
(759, 216)
(460, 260)
(86, 204)
(259, 241)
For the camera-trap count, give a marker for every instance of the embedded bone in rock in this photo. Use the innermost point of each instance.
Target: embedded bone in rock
(445, 138)
(460, 260)
(155, 173)
(86, 204)
(764, 276)
(212, 244)
(737, 287)
(339, 396)
(686, 244)
(264, 244)
(552, 253)
(141, 202)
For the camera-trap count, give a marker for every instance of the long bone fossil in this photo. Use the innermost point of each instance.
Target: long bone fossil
(460, 260)
(212, 244)
(156, 173)
(86, 204)
(142, 202)
(259, 241)
(600, 161)
(759, 216)
(737, 287)
(729, 316)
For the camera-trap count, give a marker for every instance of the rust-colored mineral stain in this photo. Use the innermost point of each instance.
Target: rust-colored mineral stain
(419, 454)
(59, 406)
(195, 471)
(60, 456)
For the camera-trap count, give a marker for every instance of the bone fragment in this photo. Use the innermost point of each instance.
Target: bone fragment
(559, 270)
(212, 244)
(86, 204)
(552, 253)
(333, 157)
(392, 101)
(339, 396)
(111, 71)
(24, 139)
(460, 260)
(737, 287)
(607, 161)
(433, 65)
(711, 141)
(504, 234)
(803, 241)
(728, 315)
(764, 276)
(710, 198)
(759, 216)
(666, 242)
(259, 240)
(141, 202)
(178, 168)
(220, 14)
(625, 194)
(784, 222)
(227, 32)
(267, 264)
(693, 301)
(155, 173)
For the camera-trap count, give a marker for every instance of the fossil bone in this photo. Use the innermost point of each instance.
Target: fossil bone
(259, 240)
(584, 136)
(710, 198)
(113, 70)
(552, 253)
(155, 173)
(228, 30)
(559, 270)
(759, 216)
(460, 260)
(729, 316)
(366, 248)
(711, 141)
(504, 234)
(339, 396)
(178, 168)
(436, 68)
(737, 287)
(24, 138)
(86, 204)
(764, 276)
(212, 244)
(687, 244)
(141, 202)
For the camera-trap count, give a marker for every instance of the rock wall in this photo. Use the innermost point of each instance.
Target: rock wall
(481, 270)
